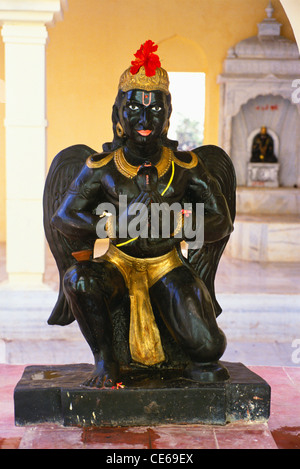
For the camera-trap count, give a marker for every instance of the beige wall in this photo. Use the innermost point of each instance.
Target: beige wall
(92, 46)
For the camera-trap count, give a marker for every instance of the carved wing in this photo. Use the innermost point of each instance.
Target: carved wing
(63, 170)
(206, 260)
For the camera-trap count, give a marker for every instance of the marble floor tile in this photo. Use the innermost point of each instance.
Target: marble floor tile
(117, 438)
(245, 436)
(183, 437)
(52, 437)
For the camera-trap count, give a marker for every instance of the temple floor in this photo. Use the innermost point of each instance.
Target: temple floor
(261, 305)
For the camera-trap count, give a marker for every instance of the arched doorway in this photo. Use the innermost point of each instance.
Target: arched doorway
(282, 118)
(187, 65)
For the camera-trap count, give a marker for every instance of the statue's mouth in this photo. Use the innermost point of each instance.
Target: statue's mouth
(144, 133)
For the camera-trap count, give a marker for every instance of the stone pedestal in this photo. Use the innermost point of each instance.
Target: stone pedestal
(55, 394)
(263, 175)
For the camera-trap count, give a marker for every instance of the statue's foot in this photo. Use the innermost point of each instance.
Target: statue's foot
(102, 376)
(98, 380)
(206, 372)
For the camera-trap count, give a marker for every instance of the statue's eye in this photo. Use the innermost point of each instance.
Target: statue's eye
(156, 108)
(133, 107)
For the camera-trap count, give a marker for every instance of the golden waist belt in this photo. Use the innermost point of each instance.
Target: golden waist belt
(140, 275)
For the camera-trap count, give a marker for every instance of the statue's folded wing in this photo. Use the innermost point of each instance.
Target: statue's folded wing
(63, 170)
(206, 260)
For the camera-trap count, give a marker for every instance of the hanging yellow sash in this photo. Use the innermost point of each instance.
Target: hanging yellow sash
(140, 274)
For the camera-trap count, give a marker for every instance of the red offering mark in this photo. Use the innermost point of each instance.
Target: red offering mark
(273, 107)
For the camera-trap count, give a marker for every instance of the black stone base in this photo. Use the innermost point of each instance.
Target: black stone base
(55, 394)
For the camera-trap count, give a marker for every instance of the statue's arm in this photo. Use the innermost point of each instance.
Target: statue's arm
(203, 188)
(75, 217)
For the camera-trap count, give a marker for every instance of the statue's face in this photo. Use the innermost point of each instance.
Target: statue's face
(263, 130)
(145, 115)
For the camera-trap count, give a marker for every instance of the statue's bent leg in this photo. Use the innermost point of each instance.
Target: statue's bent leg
(92, 289)
(185, 305)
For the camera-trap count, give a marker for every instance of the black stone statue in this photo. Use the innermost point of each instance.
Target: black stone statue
(263, 148)
(141, 305)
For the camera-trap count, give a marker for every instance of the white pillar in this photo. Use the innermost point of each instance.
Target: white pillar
(25, 126)
(25, 35)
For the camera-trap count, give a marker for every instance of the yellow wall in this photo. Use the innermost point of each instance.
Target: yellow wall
(2, 154)
(92, 46)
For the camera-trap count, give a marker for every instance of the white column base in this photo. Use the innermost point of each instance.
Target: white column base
(25, 281)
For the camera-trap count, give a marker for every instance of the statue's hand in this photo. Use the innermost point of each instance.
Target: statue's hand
(130, 212)
(146, 179)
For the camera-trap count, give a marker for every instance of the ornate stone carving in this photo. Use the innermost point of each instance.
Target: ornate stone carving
(257, 69)
(263, 174)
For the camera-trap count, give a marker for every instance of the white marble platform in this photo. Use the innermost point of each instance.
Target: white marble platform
(267, 200)
(267, 225)
(266, 238)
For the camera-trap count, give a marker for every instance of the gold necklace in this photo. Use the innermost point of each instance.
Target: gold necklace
(130, 171)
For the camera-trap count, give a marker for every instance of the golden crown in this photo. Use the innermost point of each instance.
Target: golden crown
(160, 81)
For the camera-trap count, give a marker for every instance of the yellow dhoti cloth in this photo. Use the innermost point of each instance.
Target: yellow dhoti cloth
(140, 274)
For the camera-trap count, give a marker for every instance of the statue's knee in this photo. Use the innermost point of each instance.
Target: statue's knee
(211, 349)
(217, 345)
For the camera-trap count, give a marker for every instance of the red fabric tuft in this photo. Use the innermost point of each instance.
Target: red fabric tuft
(145, 57)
